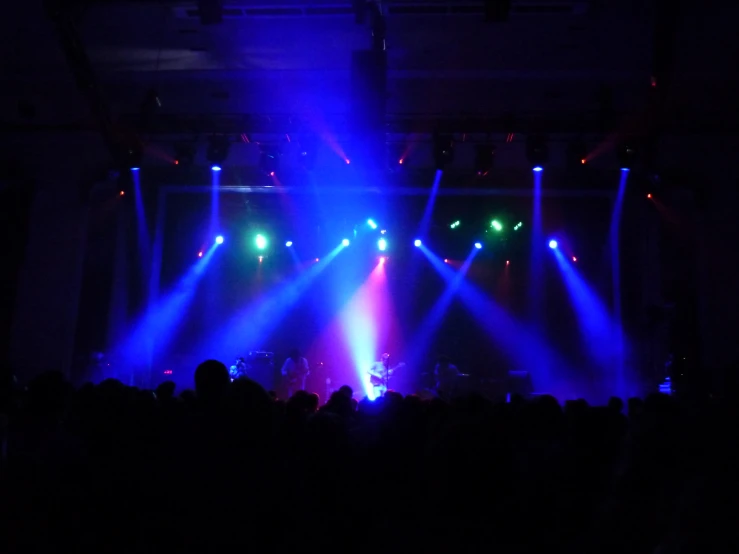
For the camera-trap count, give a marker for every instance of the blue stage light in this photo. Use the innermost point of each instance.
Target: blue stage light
(345, 242)
(215, 167)
(552, 244)
(135, 168)
(261, 242)
(289, 243)
(372, 224)
(382, 245)
(417, 242)
(219, 239)
(538, 168)
(478, 245)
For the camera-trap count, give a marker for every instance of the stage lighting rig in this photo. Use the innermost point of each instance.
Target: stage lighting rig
(308, 152)
(443, 150)
(217, 151)
(269, 159)
(484, 157)
(577, 154)
(184, 154)
(537, 150)
(132, 155)
(626, 154)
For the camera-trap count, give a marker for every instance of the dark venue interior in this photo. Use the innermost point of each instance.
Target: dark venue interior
(369, 274)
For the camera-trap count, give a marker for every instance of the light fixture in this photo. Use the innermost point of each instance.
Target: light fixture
(553, 244)
(478, 245)
(219, 239)
(417, 243)
(289, 243)
(537, 151)
(345, 242)
(217, 150)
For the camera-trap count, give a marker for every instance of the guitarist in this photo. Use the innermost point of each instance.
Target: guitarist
(379, 374)
(295, 370)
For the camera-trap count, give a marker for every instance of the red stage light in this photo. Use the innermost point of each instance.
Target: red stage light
(122, 193)
(400, 161)
(649, 195)
(508, 262)
(177, 162)
(583, 161)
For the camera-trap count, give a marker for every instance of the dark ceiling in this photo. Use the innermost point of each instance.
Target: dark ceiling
(566, 69)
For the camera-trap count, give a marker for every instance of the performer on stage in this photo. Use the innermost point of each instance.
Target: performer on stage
(447, 375)
(379, 374)
(295, 369)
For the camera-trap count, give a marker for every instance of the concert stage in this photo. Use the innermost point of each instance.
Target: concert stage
(345, 274)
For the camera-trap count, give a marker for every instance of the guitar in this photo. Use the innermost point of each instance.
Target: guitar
(380, 380)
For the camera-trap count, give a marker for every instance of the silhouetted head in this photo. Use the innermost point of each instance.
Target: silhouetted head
(616, 404)
(211, 380)
(444, 360)
(295, 354)
(166, 390)
(346, 390)
(385, 359)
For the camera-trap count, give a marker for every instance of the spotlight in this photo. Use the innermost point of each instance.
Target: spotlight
(446, 260)
(455, 225)
(552, 244)
(518, 225)
(417, 243)
(372, 224)
(382, 245)
(123, 193)
(383, 231)
(478, 245)
(219, 239)
(289, 243)
(261, 242)
(574, 258)
(318, 259)
(495, 224)
(345, 242)
(217, 150)
(537, 151)
(508, 262)
(382, 259)
(649, 195)
(215, 167)
(135, 168)
(260, 259)
(200, 254)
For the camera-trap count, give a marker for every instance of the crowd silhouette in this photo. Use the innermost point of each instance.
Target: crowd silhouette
(229, 467)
